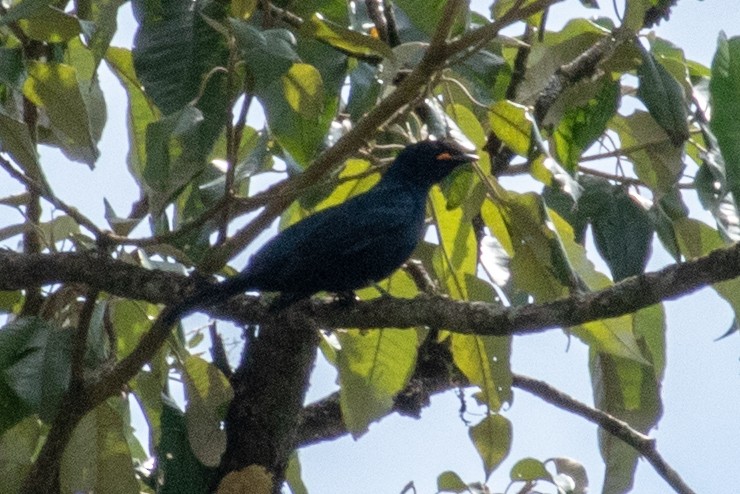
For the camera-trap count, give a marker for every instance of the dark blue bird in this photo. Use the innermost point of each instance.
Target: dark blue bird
(354, 244)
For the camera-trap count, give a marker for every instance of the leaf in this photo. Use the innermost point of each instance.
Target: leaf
(492, 439)
(658, 163)
(539, 265)
(623, 234)
(575, 471)
(350, 42)
(663, 96)
(303, 90)
(15, 139)
(293, 475)
(581, 125)
(208, 393)
(697, 239)
(179, 472)
(724, 89)
(529, 469)
(22, 10)
(484, 360)
(512, 123)
(97, 457)
(630, 392)
(457, 253)
(54, 87)
(163, 54)
(373, 367)
(615, 335)
(17, 450)
(104, 15)
(141, 111)
(50, 25)
(423, 14)
(35, 363)
(451, 482)
(254, 479)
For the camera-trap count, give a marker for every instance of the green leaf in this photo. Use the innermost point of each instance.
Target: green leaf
(539, 264)
(303, 90)
(104, 15)
(457, 253)
(55, 88)
(12, 69)
(529, 469)
(208, 393)
(350, 42)
(35, 363)
(141, 111)
(97, 457)
(179, 470)
(17, 451)
(50, 25)
(293, 475)
(130, 320)
(424, 14)
(484, 360)
(163, 54)
(724, 89)
(658, 163)
(22, 10)
(512, 123)
(697, 239)
(628, 391)
(373, 367)
(268, 54)
(664, 97)
(581, 125)
(451, 482)
(15, 139)
(492, 439)
(623, 234)
(615, 335)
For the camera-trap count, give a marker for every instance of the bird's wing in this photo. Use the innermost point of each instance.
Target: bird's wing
(364, 236)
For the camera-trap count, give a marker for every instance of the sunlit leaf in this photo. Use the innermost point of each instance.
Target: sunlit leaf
(373, 367)
(663, 97)
(492, 438)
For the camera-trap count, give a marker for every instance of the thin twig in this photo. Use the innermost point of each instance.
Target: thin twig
(80, 340)
(643, 444)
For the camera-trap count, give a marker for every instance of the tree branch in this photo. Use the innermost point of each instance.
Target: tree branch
(322, 421)
(627, 296)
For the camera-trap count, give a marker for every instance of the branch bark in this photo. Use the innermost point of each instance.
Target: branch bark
(627, 296)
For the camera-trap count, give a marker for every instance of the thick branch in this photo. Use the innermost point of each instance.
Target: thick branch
(634, 293)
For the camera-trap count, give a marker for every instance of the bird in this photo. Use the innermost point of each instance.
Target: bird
(351, 245)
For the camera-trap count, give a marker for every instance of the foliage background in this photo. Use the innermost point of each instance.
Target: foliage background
(697, 433)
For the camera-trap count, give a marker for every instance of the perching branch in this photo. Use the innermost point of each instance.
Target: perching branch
(625, 297)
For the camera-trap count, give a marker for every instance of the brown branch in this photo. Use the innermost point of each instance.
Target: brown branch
(80, 340)
(322, 421)
(627, 296)
(643, 444)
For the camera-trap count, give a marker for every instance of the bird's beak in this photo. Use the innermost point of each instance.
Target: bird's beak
(458, 158)
(467, 157)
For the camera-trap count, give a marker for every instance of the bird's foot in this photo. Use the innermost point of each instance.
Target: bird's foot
(344, 299)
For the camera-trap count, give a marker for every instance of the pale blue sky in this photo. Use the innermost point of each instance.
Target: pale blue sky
(698, 434)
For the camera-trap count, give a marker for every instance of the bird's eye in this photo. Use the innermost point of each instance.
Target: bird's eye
(444, 156)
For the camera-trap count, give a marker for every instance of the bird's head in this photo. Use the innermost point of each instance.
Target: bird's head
(428, 162)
